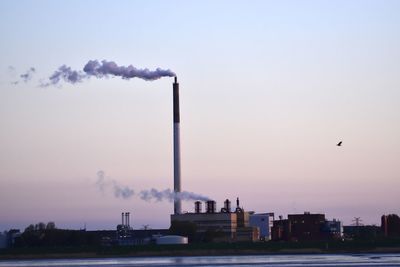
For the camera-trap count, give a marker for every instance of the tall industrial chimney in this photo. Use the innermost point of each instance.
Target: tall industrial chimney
(177, 148)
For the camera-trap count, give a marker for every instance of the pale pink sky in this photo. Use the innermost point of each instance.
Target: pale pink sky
(267, 90)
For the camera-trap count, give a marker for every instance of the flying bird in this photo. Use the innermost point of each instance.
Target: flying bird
(339, 144)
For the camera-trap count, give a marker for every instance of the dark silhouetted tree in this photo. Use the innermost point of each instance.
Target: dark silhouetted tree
(30, 228)
(50, 226)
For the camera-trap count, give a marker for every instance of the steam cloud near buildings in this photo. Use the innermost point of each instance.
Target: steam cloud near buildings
(105, 184)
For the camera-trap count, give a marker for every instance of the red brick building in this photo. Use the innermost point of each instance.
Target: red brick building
(305, 227)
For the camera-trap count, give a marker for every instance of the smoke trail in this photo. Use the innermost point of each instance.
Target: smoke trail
(104, 69)
(104, 184)
(25, 77)
(11, 69)
(168, 194)
(28, 75)
(101, 181)
(120, 191)
(64, 73)
(187, 196)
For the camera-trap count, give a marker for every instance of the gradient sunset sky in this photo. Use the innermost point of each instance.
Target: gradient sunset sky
(267, 90)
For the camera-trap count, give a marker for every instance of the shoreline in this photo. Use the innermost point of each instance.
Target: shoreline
(197, 252)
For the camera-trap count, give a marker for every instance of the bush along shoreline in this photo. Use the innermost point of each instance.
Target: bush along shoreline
(203, 249)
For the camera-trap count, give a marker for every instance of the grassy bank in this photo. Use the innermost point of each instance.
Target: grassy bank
(206, 249)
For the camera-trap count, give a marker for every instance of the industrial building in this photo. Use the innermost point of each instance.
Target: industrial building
(361, 232)
(227, 225)
(390, 225)
(333, 229)
(264, 222)
(306, 227)
(126, 236)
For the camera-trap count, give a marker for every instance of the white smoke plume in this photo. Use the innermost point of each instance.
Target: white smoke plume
(104, 184)
(122, 191)
(101, 181)
(169, 195)
(104, 69)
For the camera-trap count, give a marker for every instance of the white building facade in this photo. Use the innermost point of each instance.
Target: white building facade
(264, 222)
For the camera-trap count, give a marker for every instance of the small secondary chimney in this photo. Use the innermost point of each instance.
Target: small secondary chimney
(197, 207)
(227, 205)
(127, 219)
(211, 205)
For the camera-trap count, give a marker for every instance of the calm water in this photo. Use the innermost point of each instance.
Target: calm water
(269, 260)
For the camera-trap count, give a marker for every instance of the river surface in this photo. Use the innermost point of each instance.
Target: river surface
(259, 260)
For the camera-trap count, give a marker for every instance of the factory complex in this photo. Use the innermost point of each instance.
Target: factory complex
(227, 224)
(230, 225)
(233, 225)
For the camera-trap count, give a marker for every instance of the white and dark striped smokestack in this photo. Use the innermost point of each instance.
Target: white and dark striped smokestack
(177, 148)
